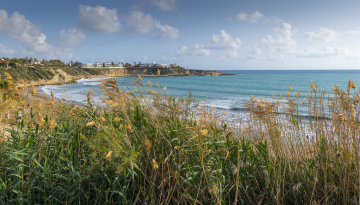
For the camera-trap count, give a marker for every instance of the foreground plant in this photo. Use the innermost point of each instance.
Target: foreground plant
(146, 147)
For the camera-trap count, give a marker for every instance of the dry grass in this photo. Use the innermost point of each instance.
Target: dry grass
(146, 147)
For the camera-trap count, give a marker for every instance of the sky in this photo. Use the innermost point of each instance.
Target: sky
(195, 34)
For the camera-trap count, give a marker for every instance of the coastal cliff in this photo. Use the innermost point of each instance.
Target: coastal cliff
(67, 74)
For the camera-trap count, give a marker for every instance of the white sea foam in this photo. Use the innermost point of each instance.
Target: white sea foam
(82, 80)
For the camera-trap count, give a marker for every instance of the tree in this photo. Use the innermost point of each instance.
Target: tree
(7, 62)
(77, 64)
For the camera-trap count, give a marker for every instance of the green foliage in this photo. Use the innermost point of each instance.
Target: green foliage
(3, 83)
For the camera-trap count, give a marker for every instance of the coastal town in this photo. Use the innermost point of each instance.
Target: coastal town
(122, 65)
(30, 62)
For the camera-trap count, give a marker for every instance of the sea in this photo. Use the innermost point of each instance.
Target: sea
(227, 93)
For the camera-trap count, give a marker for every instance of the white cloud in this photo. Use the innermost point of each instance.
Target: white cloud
(22, 30)
(225, 41)
(167, 31)
(6, 50)
(252, 17)
(254, 53)
(139, 22)
(233, 54)
(98, 19)
(311, 52)
(196, 50)
(164, 5)
(353, 32)
(182, 51)
(323, 34)
(71, 37)
(284, 42)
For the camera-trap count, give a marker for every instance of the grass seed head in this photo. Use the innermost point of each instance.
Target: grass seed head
(155, 164)
(204, 132)
(149, 83)
(147, 145)
(139, 78)
(53, 124)
(109, 154)
(114, 105)
(90, 124)
(42, 122)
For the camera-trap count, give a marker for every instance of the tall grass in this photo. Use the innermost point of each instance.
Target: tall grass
(146, 147)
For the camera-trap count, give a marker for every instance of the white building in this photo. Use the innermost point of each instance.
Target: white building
(102, 65)
(119, 65)
(164, 65)
(98, 65)
(87, 65)
(149, 65)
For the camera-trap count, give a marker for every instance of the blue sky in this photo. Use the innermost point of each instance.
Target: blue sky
(198, 34)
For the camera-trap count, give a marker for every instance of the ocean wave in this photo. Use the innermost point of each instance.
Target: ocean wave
(90, 80)
(92, 83)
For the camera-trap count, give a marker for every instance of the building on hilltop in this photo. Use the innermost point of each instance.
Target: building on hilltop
(164, 65)
(87, 65)
(148, 65)
(102, 65)
(98, 65)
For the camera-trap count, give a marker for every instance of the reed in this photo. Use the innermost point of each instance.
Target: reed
(146, 147)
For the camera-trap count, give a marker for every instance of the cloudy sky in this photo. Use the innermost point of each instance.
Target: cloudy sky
(198, 34)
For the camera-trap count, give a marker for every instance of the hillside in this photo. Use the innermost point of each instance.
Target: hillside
(68, 74)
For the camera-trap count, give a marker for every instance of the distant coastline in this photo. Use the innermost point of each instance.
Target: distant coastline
(58, 75)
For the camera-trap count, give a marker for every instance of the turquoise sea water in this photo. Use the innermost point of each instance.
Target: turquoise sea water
(224, 92)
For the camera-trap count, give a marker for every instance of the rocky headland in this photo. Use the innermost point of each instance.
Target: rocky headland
(55, 75)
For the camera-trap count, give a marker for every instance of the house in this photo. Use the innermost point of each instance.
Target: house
(148, 65)
(87, 65)
(119, 65)
(36, 62)
(98, 65)
(164, 65)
